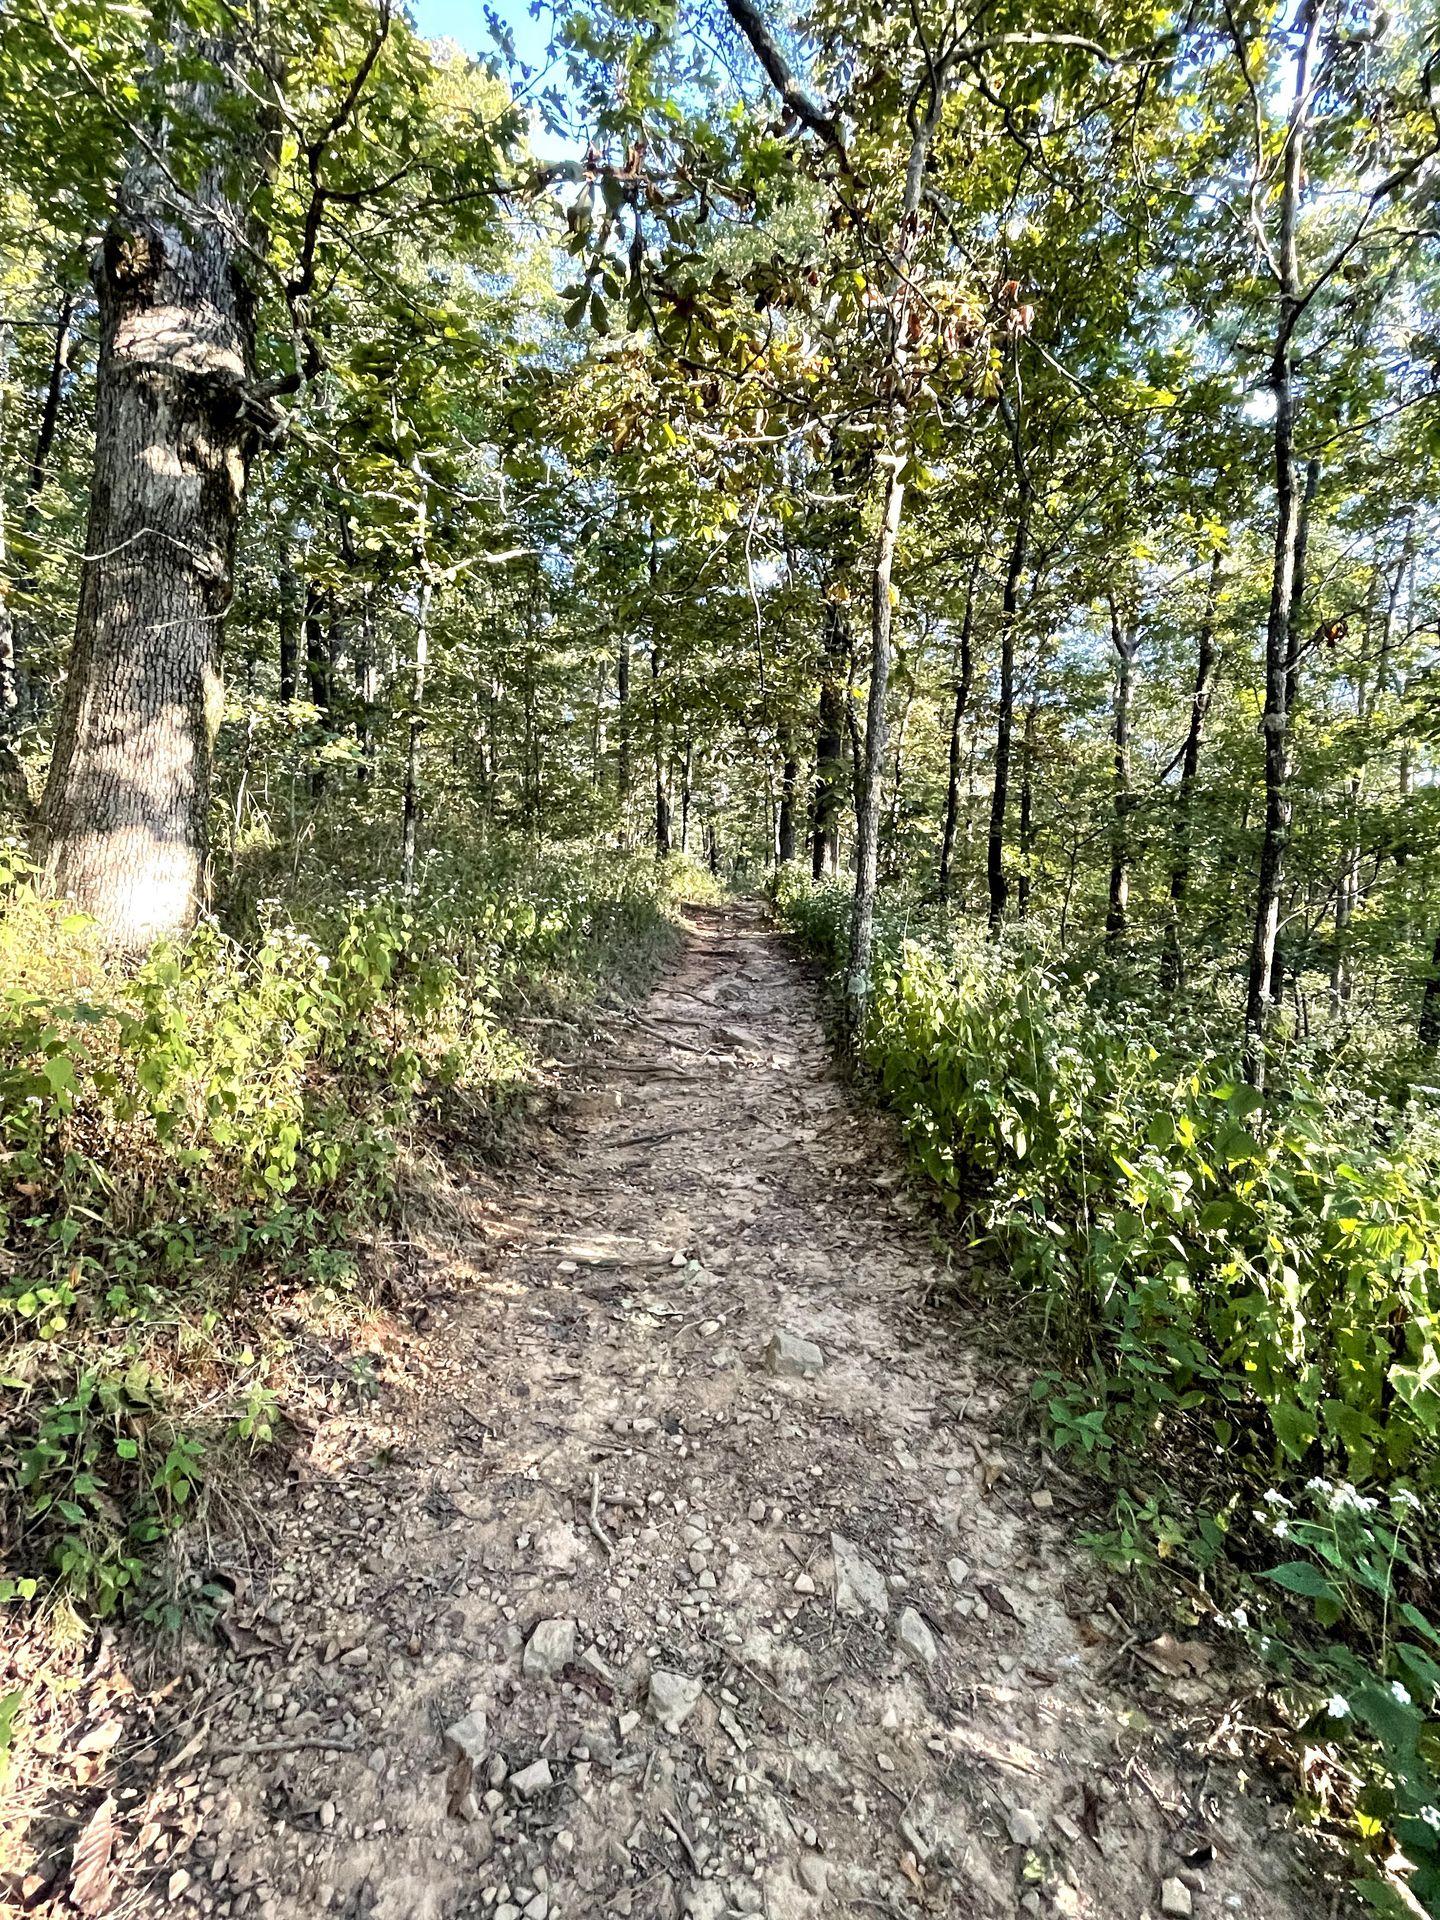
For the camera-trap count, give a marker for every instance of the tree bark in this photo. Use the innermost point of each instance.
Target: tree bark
(789, 781)
(1117, 910)
(867, 836)
(124, 832)
(289, 627)
(1027, 806)
(829, 803)
(623, 777)
(1428, 1032)
(657, 741)
(1009, 608)
(414, 731)
(17, 692)
(964, 679)
(317, 682)
(1275, 723)
(1172, 960)
(1293, 640)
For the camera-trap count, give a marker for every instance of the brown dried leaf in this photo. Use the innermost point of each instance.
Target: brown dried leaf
(90, 1872)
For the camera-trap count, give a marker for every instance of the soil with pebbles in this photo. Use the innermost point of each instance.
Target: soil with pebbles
(583, 1423)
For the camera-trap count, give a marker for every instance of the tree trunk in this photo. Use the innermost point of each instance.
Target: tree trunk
(317, 682)
(14, 787)
(289, 633)
(1009, 608)
(415, 728)
(657, 741)
(867, 837)
(1293, 638)
(1116, 912)
(1027, 807)
(789, 781)
(17, 689)
(124, 833)
(1275, 723)
(623, 777)
(964, 679)
(686, 771)
(829, 804)
(1428, 1032)
(1172, 961)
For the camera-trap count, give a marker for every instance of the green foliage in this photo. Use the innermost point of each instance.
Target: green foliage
(227, 1115)
(1243, 1296)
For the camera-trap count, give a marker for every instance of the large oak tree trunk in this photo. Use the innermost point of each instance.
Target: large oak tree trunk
(124, 825)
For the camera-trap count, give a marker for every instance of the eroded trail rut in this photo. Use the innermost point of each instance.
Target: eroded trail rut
(724, 1721)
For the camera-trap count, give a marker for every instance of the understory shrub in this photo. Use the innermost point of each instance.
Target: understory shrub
(1239, 1308)
(225, 1114)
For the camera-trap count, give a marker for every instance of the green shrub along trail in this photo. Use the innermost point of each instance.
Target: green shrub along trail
(477, 485)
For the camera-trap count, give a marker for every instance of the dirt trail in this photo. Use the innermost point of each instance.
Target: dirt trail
(590, 1435)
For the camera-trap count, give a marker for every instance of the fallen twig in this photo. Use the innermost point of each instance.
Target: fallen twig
(595, 1527)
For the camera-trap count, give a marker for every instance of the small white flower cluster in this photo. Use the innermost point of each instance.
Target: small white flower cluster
(1400, 1693)
(1239, 1619)
(1341, 1495)
(1337, 1706)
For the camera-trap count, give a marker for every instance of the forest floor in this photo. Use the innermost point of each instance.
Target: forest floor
(720, 1638)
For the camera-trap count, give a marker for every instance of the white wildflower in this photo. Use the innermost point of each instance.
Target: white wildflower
(1337, 1706)
(1281, 1528)
(1273, 1497)
(1400, 1693)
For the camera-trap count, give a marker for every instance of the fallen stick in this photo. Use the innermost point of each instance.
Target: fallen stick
(595, 1527)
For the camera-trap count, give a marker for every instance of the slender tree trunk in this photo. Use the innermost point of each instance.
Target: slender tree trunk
(687, 768)
(1009, 609)
(964, 678)
(789, 781)
(124, 832)
(1275, 723)
(18, 689)
(1116, 913)
(14, 787)
(1172, 962)
(867, 837)
(657, 741)
(623, 777)
(1428, 1032)
(1027, 807)
(289, 627)
(317, 682)
(829, 804)
(1293, 643)
(414, 732)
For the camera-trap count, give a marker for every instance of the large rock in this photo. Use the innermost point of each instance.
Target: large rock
(792, 1357)
(532, 1779)
(859, 1584)
(916, 1638)
(468, 1739)
(550, 1647)
(673, 1698)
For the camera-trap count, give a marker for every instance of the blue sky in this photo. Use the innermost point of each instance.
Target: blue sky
(464, 20)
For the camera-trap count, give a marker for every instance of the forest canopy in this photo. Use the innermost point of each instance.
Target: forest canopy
(972, 472)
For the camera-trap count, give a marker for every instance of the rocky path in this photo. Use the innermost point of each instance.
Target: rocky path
(686, 1565)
